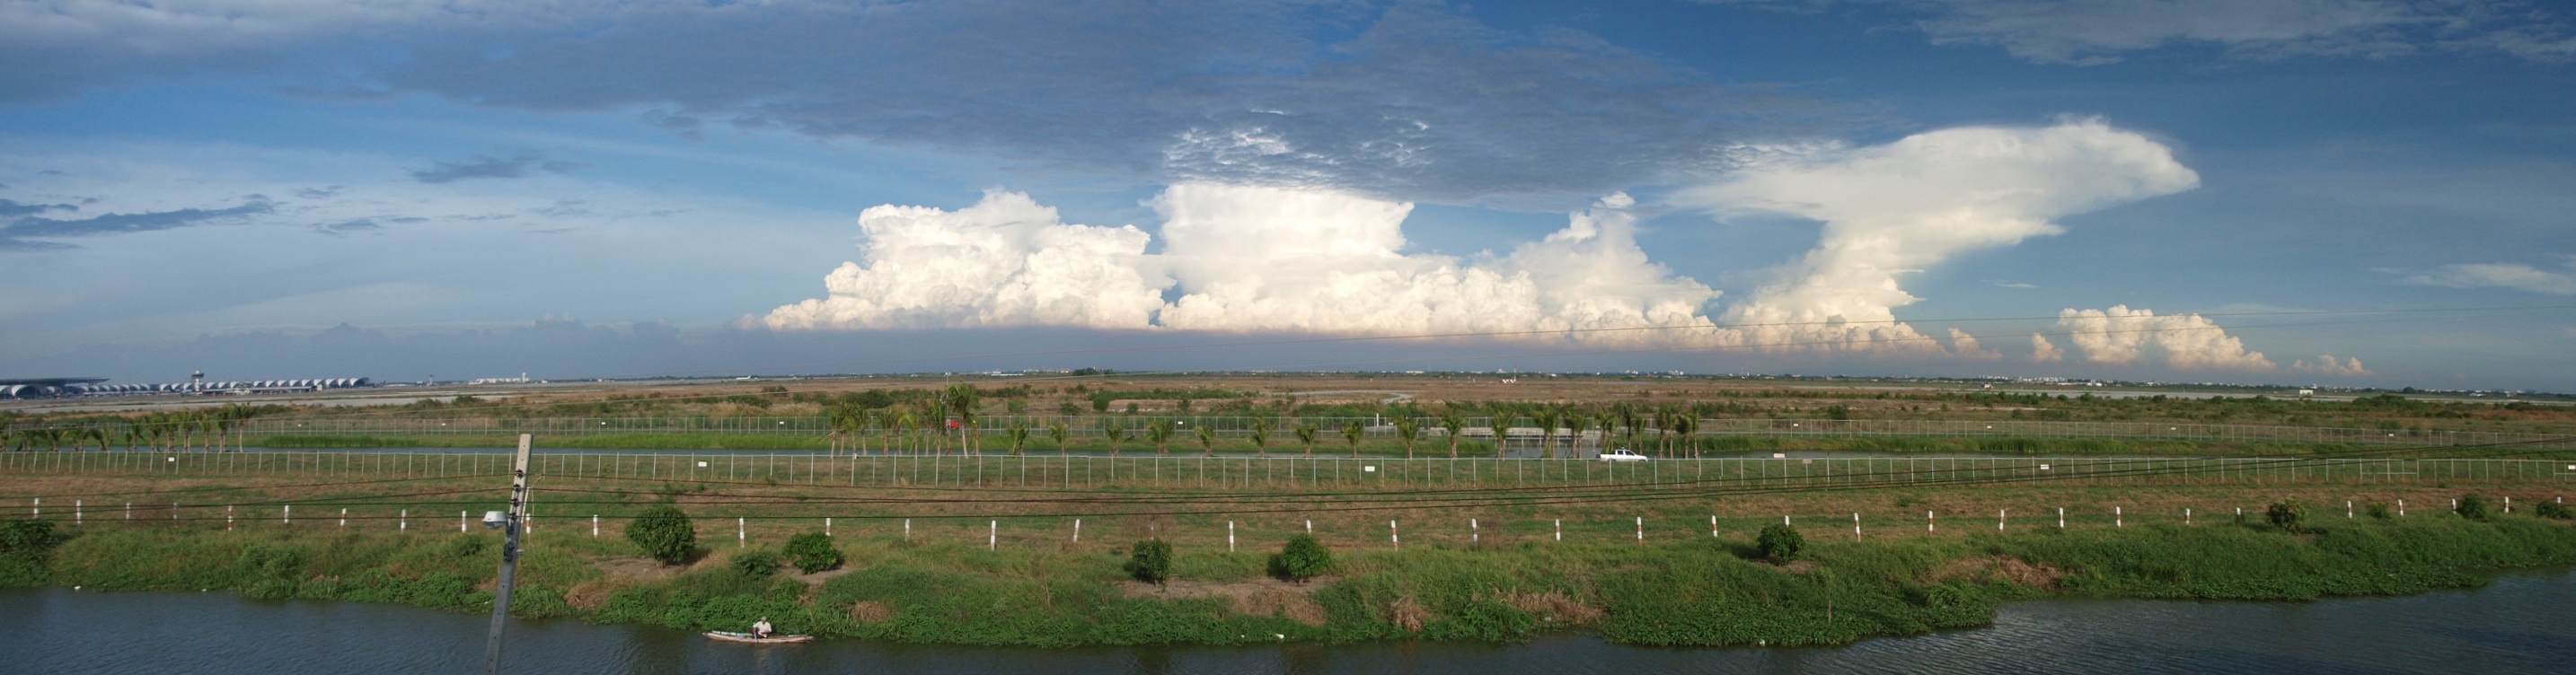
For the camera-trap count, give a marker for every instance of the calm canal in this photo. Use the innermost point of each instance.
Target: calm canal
(2519, 624)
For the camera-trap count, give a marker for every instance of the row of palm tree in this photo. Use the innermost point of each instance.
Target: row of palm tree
(949, 421)
(205, 429)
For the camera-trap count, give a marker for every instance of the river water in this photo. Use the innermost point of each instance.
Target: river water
(2519, 624)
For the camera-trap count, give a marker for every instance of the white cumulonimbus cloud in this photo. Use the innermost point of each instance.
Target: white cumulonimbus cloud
(2043, 351)
(1309, 260)
(1247, 259)
(1898, 208)
(2123, 336)
(2327, 365)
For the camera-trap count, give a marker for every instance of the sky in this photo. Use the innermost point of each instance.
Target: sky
(2328, 192)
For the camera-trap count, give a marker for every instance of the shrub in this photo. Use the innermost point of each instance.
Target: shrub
(2286, 515)
(2553, 510)
(1150, 561)
(1780, 542)
(1303, 558)
(2379, 512)
(665, 534)
(2475, 507)
(26, 536)
(813, 552)
(756, 563)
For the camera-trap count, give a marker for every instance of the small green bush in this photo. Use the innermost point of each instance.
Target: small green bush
(2380, 512)
(756, 563)
(1780, 541)
(813, 552)
(2554, 510)
(2475, 507)
(1150, 561)
(665, 534)
(22, 536)
(1303, 558)
(2287, 515)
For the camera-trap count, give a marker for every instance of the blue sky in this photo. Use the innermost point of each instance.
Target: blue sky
(2154, 189)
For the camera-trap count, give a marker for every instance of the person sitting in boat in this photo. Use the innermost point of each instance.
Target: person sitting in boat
(761, 629)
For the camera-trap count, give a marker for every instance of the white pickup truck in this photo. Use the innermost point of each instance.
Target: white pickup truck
(1622, 455)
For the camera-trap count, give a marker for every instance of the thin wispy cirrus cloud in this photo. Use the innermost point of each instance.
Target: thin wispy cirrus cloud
(2096, 32)
(2515, 276)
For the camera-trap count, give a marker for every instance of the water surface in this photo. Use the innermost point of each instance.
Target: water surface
(2519, 624)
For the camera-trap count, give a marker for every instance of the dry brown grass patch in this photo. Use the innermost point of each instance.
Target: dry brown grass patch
(1280, 603)
(2015, 570)
(1554, 605)
(591, 595)
(1408, 614)
(870, 611)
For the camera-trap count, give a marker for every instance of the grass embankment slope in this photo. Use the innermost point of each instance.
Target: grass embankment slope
(1696, 592)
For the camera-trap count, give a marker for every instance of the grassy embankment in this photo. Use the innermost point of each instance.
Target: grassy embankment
(1688, 592)
(1235, 447)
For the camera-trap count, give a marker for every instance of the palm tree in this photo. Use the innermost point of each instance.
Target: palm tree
(1261, 435)
(1351, 431)
(1626, 416)
(1117, 433)
(1688, 424)
(1547, 419)
(1576, 423)
(1408, 428)
(1501, 422)
(1306, 434)
(1664, 430)
(1451, 422)
(963, 399)
(1207, 439)
(1061, 433)
(904, 425)
(1160, 432)
(1019, 435)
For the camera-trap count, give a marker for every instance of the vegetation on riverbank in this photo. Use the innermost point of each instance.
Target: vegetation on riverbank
(1714, 591)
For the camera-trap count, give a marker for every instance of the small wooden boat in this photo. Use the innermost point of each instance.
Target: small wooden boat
(729, 636)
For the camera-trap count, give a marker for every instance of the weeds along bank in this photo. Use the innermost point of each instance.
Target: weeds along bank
(1711, 591)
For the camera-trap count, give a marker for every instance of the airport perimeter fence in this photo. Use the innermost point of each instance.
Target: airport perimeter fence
(1519, 432)
(1292, 471)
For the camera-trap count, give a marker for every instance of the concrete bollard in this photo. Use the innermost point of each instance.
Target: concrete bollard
(2347, 509)
(1927, 521)
(2118, 519)
(287, 515)
(2186, 515)
(2401, 508)
(1077, 530)
(1229, 536)
(594, 526)
(1999, 519)
(344, 519)
(1855, 526)
(827, 525)
(1391, 538)
(907, 529)
(741, 532)
(1641, 529)
(403, 525)
(76, 512)
(2061, 517)
(993, 537)
(460, 521)
(1712, 526)
(1560, 529)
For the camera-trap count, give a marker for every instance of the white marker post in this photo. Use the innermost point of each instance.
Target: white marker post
(1641, 529)
(741, 532)
(907, 529)
(827, 526)
(2347, 509)
(1560, 529)
(404, 525)
(287, 515)
(129, 510)
(1229, 536)
(2061, 517)
(1077, 530)
(2401, 508)
(2117, 519)
(594, 526)
(1712, 527)
(1927, 521)
(2186, 515)
(1474, 534)
(1310, 527)
(344, 519)
(1391, 539)
(1855, 526)
(228, 518)
(1999, 520)
(460, 521)
(993, 537)
(76, 512)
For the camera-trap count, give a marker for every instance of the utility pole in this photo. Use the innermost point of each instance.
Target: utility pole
(509, 558)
